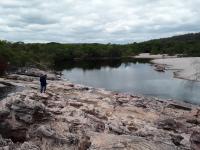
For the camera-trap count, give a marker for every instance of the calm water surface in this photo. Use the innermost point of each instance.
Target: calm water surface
(132, 76)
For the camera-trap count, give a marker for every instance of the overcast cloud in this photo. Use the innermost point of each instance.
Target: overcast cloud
(102, 21)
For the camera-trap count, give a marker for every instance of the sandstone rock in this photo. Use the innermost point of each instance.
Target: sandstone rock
(179, 106)
(75, 126)
(131, 127)
(73, 139)
(122, 101)
(117, 129)
(140, 103)
(71, 85)
(95, 113)
(176, 139)
(76, 105)
(61, 118)
(168, 124)
(17, 134)
(85, 143)
(195, 141)
(197, 113)
(100, 127)
(47, 132)
(193, 121)
(29, 146)
(29, 111)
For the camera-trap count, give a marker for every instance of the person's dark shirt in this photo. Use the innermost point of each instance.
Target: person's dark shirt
(43, 81)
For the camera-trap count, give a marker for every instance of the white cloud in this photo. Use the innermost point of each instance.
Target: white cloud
(115, 21)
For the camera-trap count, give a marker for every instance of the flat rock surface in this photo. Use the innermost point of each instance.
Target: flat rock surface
(186, 68)
(158, 56)
(70, 116)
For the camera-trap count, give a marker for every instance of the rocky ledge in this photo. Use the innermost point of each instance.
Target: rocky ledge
(71, 116)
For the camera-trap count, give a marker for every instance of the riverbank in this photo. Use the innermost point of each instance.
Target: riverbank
(150, 56)
(184, 68)
(71, 116)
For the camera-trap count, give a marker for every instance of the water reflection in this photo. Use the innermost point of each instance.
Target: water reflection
(133, 76)
(98, 63)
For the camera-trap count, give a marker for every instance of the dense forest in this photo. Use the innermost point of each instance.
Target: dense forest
(53, 54)
(188, 44)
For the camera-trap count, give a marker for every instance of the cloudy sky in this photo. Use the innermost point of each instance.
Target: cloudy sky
(102, 21)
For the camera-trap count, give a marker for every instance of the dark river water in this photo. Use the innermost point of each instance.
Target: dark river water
(132, 76)
(7, 89)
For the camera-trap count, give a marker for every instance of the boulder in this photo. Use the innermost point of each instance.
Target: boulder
(29, 111)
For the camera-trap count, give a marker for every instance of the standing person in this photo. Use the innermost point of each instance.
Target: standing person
(43, 83)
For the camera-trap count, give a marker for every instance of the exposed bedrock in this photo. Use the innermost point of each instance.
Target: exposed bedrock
(75, 117)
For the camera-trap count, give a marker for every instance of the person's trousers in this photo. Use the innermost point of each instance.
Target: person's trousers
(43, 88)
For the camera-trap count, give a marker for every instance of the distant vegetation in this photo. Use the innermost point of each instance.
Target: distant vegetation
(54, 54)
(188, 44)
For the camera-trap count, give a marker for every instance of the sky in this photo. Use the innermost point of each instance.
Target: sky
(96, 21)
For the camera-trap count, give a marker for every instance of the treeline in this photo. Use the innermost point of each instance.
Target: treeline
(188, 44)
(54, 54)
